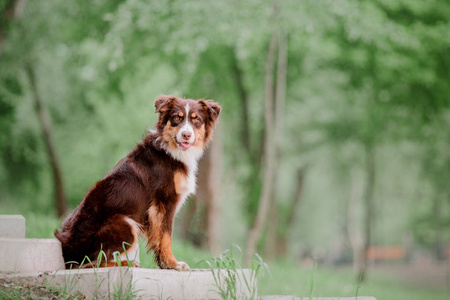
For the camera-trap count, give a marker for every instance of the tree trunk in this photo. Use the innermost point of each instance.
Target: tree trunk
(209, 177)
(272, 229)
(269, 157)
(213, 213)
(280, 99)
(354, 234)
(60, 197)
(280, 93)
(439, 242)
(368, 205)
(12, 10)
(282, 239)
(243, 97)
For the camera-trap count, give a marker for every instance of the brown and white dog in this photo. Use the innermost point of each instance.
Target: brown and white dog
(144, 191)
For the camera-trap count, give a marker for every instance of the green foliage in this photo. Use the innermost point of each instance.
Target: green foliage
(361, 74)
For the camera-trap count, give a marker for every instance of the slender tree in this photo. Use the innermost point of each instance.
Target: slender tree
(243, 100)
(355, 236)
(12, 10)
(280, 99)
(282, 239)
(208, 193)
(368, 198)
(269, 155)
(60, 197)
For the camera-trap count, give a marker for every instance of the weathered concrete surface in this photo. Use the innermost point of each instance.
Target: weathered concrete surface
(195, 284)
(30, 255)
(12, 226)
(145, 283)
(285, 297)
(89, 283)
(118, 282)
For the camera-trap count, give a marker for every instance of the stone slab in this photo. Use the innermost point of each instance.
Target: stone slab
(12, 226)
(145, 283)
(92, 284)
(286, 297)
(30, 255)
(195, 284)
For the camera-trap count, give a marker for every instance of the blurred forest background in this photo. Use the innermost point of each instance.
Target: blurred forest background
(333, 143)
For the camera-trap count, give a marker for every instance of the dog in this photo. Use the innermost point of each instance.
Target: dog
(144, 191)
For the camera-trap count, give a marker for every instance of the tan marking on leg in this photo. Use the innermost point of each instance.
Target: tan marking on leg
(167, 258)
(153, 233)
(180, 181)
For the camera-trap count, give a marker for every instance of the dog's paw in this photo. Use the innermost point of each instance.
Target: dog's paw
(182, 266)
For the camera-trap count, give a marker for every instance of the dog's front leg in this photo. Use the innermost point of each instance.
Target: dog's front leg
(159, 236)
(165, 257)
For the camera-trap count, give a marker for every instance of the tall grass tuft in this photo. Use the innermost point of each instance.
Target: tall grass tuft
(124, 290)
(121, 293)
(230, 280)
(311, 286)
(358, 286)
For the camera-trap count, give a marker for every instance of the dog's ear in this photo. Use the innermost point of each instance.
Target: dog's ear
(163, 103)
(212, 108)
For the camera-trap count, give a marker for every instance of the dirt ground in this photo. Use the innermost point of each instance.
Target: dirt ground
(13, 290)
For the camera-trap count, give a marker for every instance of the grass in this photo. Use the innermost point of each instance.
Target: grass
(287, 277)
(229, 279)
(183, 251)
(291, 278)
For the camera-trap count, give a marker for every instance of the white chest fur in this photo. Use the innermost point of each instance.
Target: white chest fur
(185, 184)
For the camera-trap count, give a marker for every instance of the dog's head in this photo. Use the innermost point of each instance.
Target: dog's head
(185, 124)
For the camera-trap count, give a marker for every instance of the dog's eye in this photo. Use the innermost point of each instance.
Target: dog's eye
(177, 119)
(195, 120)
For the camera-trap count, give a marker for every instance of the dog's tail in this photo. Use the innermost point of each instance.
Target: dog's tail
(61, 236)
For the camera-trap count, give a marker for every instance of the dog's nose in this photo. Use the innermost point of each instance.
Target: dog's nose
(186, 135)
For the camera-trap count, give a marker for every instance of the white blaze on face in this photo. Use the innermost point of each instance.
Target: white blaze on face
(186, 128)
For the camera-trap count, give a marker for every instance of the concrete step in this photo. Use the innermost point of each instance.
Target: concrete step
(12, 226)
(286, 297)
(145, 283)
(195, 284)
(30, 255)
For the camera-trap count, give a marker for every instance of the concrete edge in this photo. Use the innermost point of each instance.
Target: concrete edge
(288, 297)
(116, 282)
(27, 240)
